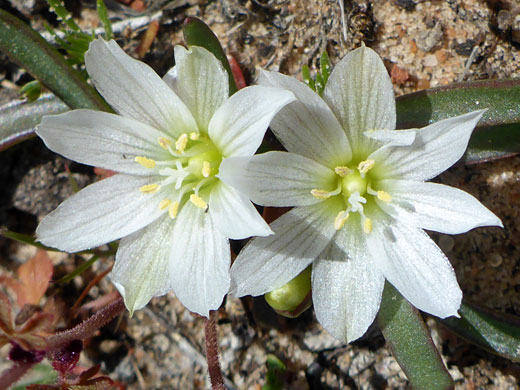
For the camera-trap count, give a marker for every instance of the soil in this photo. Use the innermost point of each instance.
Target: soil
(423, 44)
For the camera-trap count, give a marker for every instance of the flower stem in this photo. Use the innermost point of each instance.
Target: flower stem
(212, 355)
(88, 327)
(13, 374)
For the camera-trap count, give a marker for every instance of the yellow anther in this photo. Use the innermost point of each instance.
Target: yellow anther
(342, 171)
(164, 203)
(365, 166)
(173, 209)
(367, 225)
(384, 196)
(150, 188)
(320, 194)
(198, 201)
(206, 169)
(164, 142)
(340, 219)
(145, 162)
(194, 136)
(181, 143)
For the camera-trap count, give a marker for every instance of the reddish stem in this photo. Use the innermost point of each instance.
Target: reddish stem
(212, 355)
(13, 374)
(88, 327)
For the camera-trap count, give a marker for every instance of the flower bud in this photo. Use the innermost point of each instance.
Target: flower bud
(294, 297)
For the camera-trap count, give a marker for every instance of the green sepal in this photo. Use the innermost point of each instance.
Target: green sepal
(197, 33)
(291, 295)
(26, 47)
(411, 344)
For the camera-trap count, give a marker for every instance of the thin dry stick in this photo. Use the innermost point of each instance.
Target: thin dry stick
(212, 355)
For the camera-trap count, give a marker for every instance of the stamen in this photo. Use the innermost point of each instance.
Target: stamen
(342, 171)
(384, 196)
(181, 143)
(164, 203)
(150, 188)
(164, 142)
(194, 136)
(145, 162)
(365, 166)
(198, 201)
(173, 209)
(206, 169)
(340, 219)
(367, 225)
(320, 194)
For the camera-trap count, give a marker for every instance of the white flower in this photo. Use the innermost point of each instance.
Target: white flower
(173, 214)
(361, 199)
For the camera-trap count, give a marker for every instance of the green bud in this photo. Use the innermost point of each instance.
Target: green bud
(292, 295)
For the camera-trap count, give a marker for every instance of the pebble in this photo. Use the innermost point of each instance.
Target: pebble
(428, 39)
(430, 60)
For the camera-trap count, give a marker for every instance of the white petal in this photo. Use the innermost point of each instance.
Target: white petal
(435, 207)
(346, 286)
(234, 215)
(135, 91)
(102, 212)
(393, 137)
(436, 148)
(267, 263)
(141, 268)
(199, 261)
(101, 139)
(415, 266)
(360, 93)
(308, 126)
(200, 80)
(239, 125)
(277, 178)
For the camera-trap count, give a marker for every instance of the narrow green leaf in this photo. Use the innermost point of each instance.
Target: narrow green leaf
(410, 342)
(78, 271)
(31, 90)
(40, 374)
(103, 16)
(197, 33)
(307, 79)
(495, 332)
(58, 7)
(325, 67)
(18, 119)
(497, 134)
(274, 379)
(26, 47)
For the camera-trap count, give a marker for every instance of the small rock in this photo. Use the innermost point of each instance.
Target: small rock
(319, 339)
(430, 38)
(504, 20)
(430, 60)
(465, 48)
(408, 5)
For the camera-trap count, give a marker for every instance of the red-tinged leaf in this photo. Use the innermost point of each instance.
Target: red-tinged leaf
(87, 374)
(12, 284)
(237, 72)
(18, 354)
(6, 315)
(101, 383)
(67, 357)
(25, 313)
(103, 173)
(35, 275)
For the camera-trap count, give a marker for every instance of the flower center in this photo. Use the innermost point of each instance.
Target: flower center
(188, 171)
(354, 187)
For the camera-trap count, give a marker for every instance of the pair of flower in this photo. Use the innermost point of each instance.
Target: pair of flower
(184, 150)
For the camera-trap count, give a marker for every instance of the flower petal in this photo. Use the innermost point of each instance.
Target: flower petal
(308, 126)
(239, 125)
(435, 207)
(436, 148)
(414, 265)
(267, 263)
(234, 215)
(141, 268)
(135, 91)
(199, 261)
(102, 212)
(346, 286)
(361, 95)
(277, 178)
(200, 80)
(393, 137)
(101, 139)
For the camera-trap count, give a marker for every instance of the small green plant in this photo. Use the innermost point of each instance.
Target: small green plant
(322, 75)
